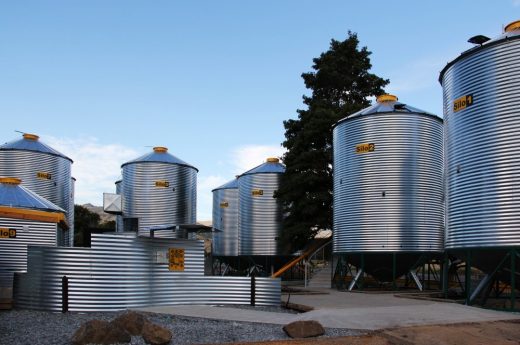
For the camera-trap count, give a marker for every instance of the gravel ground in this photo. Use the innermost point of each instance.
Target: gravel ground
(34, 327)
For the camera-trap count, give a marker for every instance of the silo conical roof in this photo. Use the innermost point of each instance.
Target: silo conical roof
(233, 184)
(12, 194)
(159, 155)
(31, 142)
(272, 165)
(386, 104)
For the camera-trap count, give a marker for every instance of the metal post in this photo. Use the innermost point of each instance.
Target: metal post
(253, 290)
(513, 278)
(64, 294)
(468, 277)
(394, 270)
(361, 283)
(429, 278)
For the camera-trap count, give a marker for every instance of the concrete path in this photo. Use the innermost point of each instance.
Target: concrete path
(364, 311)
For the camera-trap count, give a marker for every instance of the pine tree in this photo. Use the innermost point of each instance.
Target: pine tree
(341, 85)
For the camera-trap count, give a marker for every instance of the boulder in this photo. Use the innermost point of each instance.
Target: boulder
(304, 329)
(131, 321)
(100, 332)
(156, 335)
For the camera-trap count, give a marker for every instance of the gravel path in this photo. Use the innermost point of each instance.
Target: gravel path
(34, 327)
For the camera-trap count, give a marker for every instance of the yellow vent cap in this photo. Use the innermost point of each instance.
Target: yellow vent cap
(10, 180)
(386, 98)
(272, 160)
(512, 26)
(160, 149)
(30, 136)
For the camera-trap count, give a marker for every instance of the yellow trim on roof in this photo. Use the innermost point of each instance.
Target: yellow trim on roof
(10, 180)
(272, 160)
(30, 136)
(37, 215)
(160, 149)
(386, 98)
(512, 26)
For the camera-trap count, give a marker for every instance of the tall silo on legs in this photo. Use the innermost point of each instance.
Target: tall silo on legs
(387, 190)
(482, 154)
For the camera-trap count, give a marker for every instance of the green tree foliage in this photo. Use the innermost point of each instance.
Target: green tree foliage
(341, 85)
(83, 220)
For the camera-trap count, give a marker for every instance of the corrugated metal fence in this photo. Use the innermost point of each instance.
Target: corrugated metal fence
(123, 271)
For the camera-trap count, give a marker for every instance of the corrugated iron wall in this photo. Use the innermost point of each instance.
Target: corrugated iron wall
(122, 271)
(13, 251)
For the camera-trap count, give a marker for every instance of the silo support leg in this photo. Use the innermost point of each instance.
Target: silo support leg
(394, 270)
(354, 281)
(445, 269)
(467, 282)
(483, 283)
(513, 278)
(416, 280)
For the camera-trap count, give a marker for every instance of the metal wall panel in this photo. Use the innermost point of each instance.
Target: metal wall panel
(13, 251)
(482, 145)
(389, 199)
(260, 216)
(121, 271)
(57, 189)
(152, 205)
(225, 219)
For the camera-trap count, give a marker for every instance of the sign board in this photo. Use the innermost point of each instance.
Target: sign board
(175, 259)
(462, 103)
(257, 192)
(224, 204)
(7, 233)
(365, 148)
(162, 184)
(43, 175)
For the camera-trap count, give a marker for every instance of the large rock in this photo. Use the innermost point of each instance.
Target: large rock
(100, 332)
(304, 329)
(131, 321)
(155, 334)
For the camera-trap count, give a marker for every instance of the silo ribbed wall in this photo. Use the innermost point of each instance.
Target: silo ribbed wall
(260, 216)
(483, 146)
(153, 205)
(225, 219)
(390, 199)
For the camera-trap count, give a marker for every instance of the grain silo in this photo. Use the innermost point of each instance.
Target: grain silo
(225, 219)
(25, 219)
(158, 189)
(482, 154)
(387, 188)
(260, 214)
(44, 171)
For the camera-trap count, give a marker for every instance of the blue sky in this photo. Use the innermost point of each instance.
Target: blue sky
(102, 81)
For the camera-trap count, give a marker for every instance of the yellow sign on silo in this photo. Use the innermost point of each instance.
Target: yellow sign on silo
(175, 259)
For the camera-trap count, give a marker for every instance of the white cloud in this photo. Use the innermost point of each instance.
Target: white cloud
(247, 157)
(96, 166)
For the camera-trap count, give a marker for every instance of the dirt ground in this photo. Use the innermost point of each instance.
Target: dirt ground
(484, 333)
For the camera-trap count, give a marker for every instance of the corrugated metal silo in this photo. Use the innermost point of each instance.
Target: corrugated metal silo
(387, 196)
(482, 121)
(225, 219)
(158, 189)
(43, 170)
(260, 214)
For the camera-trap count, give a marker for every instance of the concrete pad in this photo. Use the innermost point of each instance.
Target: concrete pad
(362, 311)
